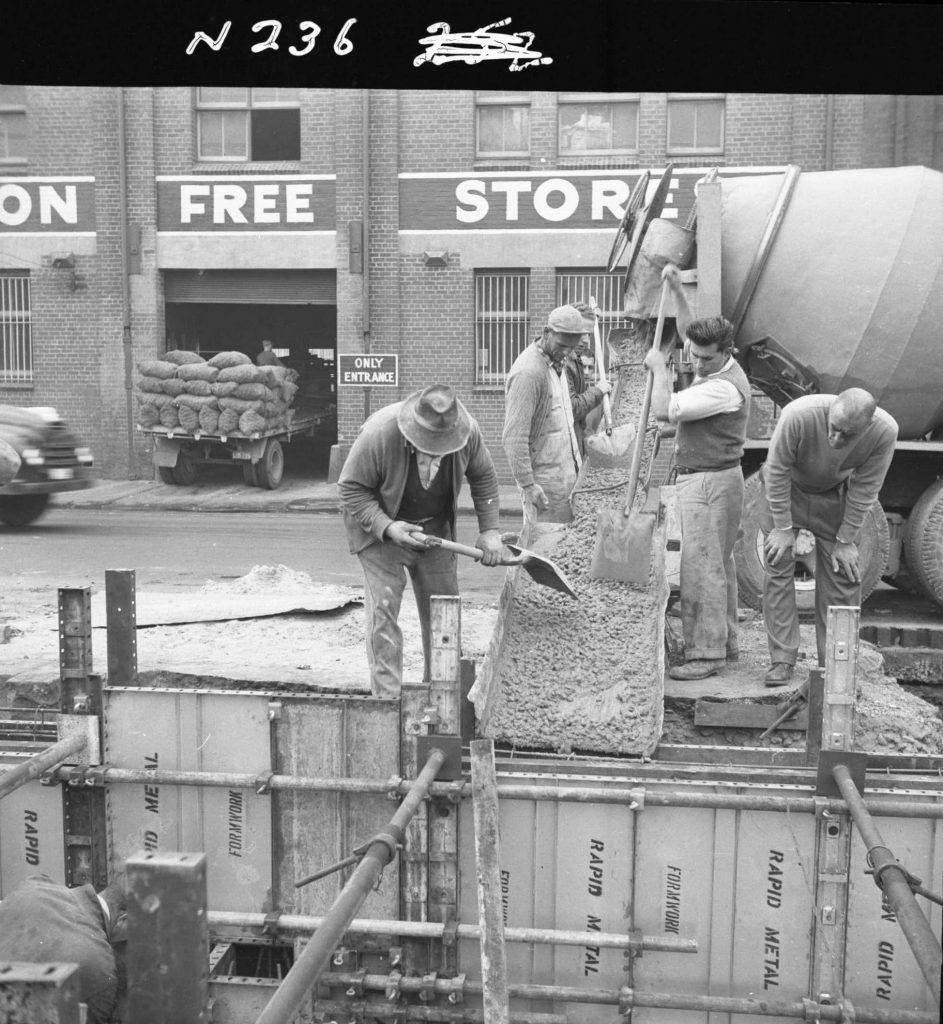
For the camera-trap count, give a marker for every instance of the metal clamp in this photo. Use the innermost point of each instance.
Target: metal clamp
(355, 989)
(847, 1010)
(394, 784)
(270, 923)
(637, 799)
(340, 956)
(396, 956)
(626, 1000)
(456, 992)
(811, 1010)
(427, 991)
(450, 931)
(820, 806)
(391, 986)
(263, 782)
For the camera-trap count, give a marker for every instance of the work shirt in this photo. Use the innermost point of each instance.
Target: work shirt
(712, 427)
(800, 456)
(712, 395)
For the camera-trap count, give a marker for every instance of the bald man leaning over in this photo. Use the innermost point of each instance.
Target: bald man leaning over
(827, 461)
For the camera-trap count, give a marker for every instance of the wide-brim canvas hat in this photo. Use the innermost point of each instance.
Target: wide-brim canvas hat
(434, 421)
(566, 320)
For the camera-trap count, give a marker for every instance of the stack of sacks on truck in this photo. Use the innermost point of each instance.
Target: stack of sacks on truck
(225, 395)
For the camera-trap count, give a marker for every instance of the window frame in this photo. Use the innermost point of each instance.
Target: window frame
(516, 319)
(248, 107)
(16, 110)
(695, 97)
(15, 321)
(586, 99)
(501, 99)
(607, 289)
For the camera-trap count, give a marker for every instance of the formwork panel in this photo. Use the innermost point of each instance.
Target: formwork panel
(31, 833)
(328, 738)
(881, 969)
(194, 730)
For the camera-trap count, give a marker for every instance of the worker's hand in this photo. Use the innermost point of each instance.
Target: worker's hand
(534, 495)
(845, 561)
(401, 534)
(604, 386)
(489, 541)
(655, 359)
(672, 275)
(777, 544)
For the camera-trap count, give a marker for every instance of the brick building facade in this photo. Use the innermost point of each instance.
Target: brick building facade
(140, 219)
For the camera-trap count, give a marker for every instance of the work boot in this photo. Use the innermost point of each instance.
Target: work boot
(779, 673)
(733, 656)
(701, 668)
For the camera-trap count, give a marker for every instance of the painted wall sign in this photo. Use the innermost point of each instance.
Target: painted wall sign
(368, 370)
(545, 201)
(246, 202)
(47, 205)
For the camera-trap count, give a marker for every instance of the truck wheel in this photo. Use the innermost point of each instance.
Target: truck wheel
(185, 471)
(923, 542)
(271, 467)
(22, 509)
(873, 546)
(166, 474)
(249, 476)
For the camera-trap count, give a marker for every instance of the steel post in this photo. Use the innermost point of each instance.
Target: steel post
(39, 993)
(894, 882)
(121, 622)
(317, 953)
(34, 766)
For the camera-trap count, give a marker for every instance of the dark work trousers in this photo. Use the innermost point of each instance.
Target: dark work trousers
(821, 515)
(385, 566)
(709, 507)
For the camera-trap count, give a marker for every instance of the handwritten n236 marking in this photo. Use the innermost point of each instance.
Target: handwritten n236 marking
(482, 44)
(308, 30)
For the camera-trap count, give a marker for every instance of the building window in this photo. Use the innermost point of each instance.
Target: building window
(695, 124)
(16, 343)
(502, 125)
(607, 289)
(13, 124)
(248, 124)
(502, 302)
(589, 126)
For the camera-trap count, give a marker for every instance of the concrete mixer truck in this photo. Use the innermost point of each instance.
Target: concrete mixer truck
(832, 279)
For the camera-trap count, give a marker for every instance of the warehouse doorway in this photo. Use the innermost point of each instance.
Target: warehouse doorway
(224, 311)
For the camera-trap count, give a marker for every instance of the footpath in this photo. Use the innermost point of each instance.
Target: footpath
(225, 492)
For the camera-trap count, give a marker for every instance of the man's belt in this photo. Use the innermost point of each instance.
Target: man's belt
(685, 471)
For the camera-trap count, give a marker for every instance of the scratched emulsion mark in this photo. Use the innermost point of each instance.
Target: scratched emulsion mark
(473, 47)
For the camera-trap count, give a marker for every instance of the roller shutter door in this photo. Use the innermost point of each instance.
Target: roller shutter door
(280, 287)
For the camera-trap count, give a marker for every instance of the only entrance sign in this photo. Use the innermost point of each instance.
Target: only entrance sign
(374, 371)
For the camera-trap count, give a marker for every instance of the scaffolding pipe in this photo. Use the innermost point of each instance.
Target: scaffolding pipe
(434, 930)
(895, 884)
(417, 1012)
(34, 766)
(572, 794)
(628, 998)
(316, 955)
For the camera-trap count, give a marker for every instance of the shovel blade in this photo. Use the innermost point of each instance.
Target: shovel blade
(623, 548)
(541, 570)
(611, 451)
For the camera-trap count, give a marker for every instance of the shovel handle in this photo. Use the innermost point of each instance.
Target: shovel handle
(459, 549)
(646, 407)
(600, 370)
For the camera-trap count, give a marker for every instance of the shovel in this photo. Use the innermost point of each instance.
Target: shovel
(541, 570)
(624, 540)
(607, 450)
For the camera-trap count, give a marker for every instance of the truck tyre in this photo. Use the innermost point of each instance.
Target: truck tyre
(873, 547)
(166, 473)
(923, 542)
(271, 467)
(22, 509)
(185, 471)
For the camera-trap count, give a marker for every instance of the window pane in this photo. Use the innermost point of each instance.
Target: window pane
(235, 140)
(219, 94)
(501, 321)
(489, 129)
(13, 137)
(597, 127)
(503, 129)
(275, 95)
(16, 345)
(515, 128)
(710, 120)
(625, 126)
(680, 125)
(211, 135)
(12, 95)
(276, 135)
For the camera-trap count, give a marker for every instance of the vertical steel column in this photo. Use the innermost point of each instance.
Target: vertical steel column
(168, 938)
(834, 832)
(414, 857)
(121, 620)
(80, 693)
(316, 955)
(445, 697)
(39, 993)
(895, 884)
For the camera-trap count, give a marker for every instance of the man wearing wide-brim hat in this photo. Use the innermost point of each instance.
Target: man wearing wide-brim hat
(539, 434)
(402, 478)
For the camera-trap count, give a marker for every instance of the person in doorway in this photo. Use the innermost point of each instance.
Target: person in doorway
(585, 398)
(42, 921)
(827, 460)
(402, 479)
(267, 356)
(711, 423)
(539, 435)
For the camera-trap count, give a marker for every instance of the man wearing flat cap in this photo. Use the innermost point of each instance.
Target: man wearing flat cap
(401, 478)
(539, 434)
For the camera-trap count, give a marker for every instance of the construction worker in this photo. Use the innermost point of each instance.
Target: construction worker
(539, 434)
(267, 356)
(711, 418)
(42, 921)
(585, 398)
(402, 478)
(827, 460)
